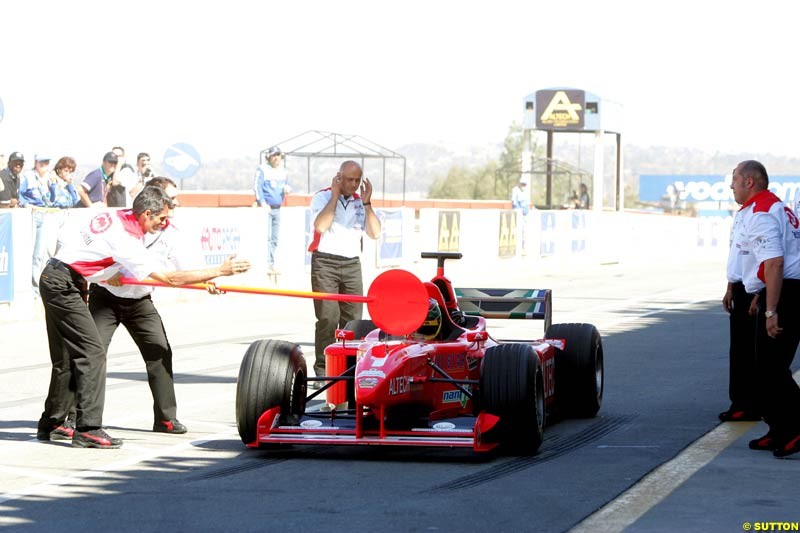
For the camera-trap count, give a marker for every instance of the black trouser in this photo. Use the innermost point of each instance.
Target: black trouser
(141, 319)
(742, 381)
(78, 376)
(335, 274)
(779, 395)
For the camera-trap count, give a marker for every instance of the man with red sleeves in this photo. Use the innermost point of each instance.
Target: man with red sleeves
(772, 270)
(104, 244)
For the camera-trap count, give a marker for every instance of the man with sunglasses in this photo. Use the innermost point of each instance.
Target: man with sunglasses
(9, 180)
(132, 306)
(95, 252)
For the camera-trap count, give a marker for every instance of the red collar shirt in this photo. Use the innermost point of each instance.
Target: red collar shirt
(103, 244)
(771, 230)
(343, 238)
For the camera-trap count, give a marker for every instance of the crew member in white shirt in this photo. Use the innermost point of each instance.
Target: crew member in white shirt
(104, 244)
(772, 269)
(341, 213)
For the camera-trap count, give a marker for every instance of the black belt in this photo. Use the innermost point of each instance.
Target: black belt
(60, 265)
(275, 207)
(323, 255)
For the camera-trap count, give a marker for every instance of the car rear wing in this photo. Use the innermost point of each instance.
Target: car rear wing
(534, 304)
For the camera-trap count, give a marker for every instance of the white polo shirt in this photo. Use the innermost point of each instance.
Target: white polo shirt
(105, 243)
(739, 247)
(171, 251)
(343, 238)
(772, 230)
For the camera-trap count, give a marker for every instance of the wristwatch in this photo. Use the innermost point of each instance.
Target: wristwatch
(769, 314)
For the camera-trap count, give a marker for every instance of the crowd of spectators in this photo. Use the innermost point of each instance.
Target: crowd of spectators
(114, 184)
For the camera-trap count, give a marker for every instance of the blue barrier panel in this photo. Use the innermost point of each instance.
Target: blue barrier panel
(6, 259)
(390, 241)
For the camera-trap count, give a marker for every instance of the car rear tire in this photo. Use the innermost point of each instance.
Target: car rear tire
(272, 374)
(511, 388)
(360, 327)
(579, 372)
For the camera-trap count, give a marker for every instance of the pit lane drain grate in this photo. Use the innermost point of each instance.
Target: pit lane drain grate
(557, 449)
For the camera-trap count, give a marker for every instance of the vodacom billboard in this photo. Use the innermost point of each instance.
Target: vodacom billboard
(707, 188)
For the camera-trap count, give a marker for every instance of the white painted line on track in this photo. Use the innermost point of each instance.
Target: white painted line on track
(661, 482)
(632, 504)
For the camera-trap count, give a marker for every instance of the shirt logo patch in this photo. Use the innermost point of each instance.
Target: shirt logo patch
(100, 223)
(792, 217)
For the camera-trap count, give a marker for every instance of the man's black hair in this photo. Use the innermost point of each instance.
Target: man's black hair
(152, 198)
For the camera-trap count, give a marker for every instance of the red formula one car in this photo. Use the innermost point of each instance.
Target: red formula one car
(449, 383)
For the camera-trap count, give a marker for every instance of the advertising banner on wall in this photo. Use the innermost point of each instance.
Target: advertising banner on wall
(449, 231)
(390, 242)
(547, 234)
(578, 232)
(508, 234)
(680, 189)
(6, 259)
(218, 234)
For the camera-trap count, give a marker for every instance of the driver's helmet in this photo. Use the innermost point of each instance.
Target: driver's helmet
(432, 325)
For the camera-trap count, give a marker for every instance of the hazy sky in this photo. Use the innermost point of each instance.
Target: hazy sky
(233, 77)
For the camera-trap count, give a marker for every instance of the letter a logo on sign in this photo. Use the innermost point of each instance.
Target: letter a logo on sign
(562, 109)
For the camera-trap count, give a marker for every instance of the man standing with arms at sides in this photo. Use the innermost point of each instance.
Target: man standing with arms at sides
(34, 192)
(94, 186)
(132, 306)
(520, 199)
(107, 242)
(340, 217)
(772, 270)
(270, 188)
(736, 301)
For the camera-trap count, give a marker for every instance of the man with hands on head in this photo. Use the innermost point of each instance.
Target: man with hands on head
(102, 246)
(341, 214)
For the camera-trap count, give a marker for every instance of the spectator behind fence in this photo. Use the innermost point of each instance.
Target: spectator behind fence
(123, 182)
(270, 188)
(144, 172)
(583, 201)
(520, 203)
(94, 186)
(34, 193)
(62, 192)
(9, 180)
